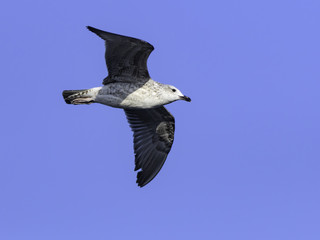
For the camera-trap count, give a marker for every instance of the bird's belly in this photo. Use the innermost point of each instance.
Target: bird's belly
(128, 102)
(137, 98)
(109, 100)
(133, 102)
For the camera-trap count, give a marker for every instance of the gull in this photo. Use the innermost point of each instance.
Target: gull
(130, 87)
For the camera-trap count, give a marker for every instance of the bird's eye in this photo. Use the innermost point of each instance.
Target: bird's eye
(173, 90)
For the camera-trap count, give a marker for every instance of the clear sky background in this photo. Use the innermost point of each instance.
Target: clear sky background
(245, 161)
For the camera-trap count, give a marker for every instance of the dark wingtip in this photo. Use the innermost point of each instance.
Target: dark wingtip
(94, 30)
(90, 28)
(141, 184)
(140, 180)
(100, 33)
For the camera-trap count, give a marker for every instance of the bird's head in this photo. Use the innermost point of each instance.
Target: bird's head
(173, 94)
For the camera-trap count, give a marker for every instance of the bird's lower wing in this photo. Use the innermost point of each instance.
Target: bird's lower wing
(153, 137)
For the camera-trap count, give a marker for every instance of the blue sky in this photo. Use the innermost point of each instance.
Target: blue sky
(245, 161)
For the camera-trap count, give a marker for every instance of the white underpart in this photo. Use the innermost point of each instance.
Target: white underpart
(144, 97)
(131, 95)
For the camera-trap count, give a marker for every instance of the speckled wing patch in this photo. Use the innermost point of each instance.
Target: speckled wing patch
(153, 133)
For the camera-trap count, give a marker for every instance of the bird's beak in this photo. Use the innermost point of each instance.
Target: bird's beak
(185, 98)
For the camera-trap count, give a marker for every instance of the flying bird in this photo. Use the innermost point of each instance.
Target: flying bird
(129, 86)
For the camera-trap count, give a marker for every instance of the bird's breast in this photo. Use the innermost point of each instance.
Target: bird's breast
(124, 95)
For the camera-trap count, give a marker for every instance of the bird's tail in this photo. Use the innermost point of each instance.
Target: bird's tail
(85, 96)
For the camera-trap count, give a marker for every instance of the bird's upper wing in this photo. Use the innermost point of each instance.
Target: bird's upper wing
(126, 57)
(153, 137)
